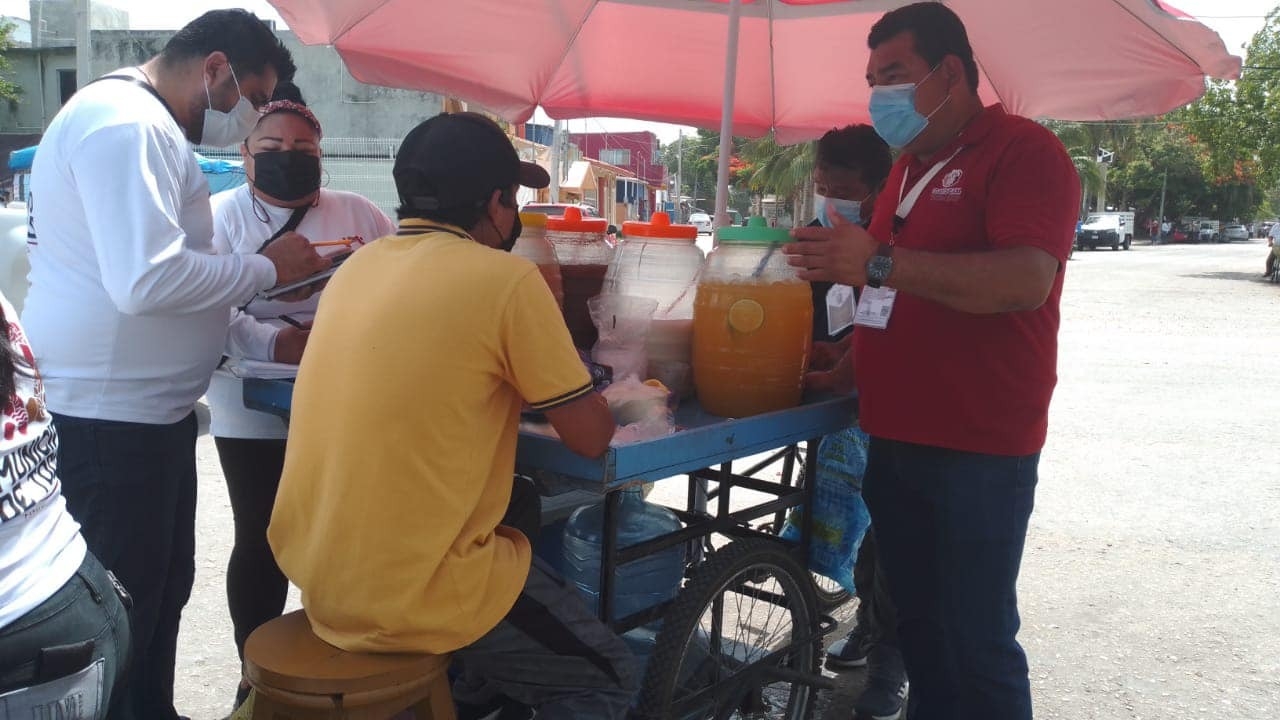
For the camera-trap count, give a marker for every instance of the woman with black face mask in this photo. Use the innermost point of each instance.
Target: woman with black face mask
(283, 194)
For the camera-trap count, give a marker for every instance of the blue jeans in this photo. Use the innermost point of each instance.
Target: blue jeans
(86, 609)
(132, 487)
(950, 527)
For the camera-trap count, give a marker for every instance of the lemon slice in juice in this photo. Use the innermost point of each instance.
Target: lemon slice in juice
(746, 315)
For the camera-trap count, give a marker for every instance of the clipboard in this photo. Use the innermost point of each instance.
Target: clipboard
(338, 259)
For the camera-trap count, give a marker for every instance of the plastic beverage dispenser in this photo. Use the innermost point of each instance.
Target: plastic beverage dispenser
(752, 324)
(584, 256)
(659, 260)
(534, 246)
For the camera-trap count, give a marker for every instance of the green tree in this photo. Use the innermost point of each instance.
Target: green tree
(785, 171)
(9, 90)
(1086, 142)
(700, 154)
(1236, 122)
(1164, 151)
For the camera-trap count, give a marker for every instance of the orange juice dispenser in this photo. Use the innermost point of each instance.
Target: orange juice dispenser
(534, 246)
(660, 261)
(584, 256)
(752, 324)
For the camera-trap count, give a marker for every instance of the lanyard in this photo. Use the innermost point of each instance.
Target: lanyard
(907, 204)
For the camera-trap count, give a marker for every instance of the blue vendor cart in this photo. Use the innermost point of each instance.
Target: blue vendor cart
(742, 637)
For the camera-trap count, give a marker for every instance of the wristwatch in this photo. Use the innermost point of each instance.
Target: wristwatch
(880, 265)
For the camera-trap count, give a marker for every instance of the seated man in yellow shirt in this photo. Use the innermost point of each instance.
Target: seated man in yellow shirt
(402, 444)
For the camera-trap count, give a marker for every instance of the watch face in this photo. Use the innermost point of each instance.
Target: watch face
(879, 267)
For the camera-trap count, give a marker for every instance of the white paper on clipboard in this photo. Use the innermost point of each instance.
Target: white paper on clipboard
(260, 369)
(277, 291)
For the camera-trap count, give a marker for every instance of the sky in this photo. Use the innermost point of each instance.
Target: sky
(1235, 20)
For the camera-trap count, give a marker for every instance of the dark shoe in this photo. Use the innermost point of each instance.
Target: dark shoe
(886, 690)
(850, 651)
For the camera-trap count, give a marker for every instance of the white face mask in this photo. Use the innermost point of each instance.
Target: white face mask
(222, 129)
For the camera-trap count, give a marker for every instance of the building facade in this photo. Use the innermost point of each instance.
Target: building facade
(640, 153)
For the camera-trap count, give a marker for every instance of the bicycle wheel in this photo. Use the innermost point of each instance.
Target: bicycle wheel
(740, 642)
(829, 593)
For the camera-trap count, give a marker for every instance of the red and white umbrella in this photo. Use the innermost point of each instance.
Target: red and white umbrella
(794, 67)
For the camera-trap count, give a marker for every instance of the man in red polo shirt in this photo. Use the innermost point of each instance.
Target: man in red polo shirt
(956, 361)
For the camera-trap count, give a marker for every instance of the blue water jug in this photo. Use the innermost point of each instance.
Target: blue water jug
(640, 584)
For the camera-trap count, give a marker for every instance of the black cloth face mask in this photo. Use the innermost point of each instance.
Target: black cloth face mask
(517, 227)
(286, 175)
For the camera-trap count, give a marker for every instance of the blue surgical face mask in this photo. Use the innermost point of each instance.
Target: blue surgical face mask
(825, 207)
(894, 114)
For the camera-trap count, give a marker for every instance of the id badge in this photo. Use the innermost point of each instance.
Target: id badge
(841, 307)
(875, 307)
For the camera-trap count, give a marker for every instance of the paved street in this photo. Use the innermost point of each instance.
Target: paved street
(1151, 584)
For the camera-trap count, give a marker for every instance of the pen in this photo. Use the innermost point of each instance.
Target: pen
(292, 322)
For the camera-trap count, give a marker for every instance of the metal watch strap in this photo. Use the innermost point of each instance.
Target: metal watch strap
(884, 250)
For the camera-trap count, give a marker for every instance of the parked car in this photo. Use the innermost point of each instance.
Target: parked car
(703, 222)
(1235, 232)
(557, 209)
(1210, 231)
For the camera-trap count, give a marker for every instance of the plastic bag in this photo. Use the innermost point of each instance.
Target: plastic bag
(840, 517)
(642, 410)
(623, 324)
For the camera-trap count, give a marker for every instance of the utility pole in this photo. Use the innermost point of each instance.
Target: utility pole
(84, 50)
(1164, 185)
(679, 177)
(555, 161)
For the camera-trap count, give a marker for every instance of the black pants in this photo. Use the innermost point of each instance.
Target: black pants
(132, 487)
(256, 589)
(875, 613)
(549, 653)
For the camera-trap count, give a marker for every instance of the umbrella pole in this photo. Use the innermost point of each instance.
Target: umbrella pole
(726, 114)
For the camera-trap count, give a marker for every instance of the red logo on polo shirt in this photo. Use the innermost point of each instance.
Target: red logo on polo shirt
(949, 192)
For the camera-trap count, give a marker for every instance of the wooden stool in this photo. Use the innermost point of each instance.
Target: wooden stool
(298, 676)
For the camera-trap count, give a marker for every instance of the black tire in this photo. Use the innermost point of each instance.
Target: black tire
(829, 593)
(1127, 242)
(681, 667)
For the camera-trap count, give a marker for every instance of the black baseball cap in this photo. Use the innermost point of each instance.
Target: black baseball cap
(458, 159)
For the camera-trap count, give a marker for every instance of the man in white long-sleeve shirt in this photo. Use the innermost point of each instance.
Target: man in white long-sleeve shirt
(128, 306)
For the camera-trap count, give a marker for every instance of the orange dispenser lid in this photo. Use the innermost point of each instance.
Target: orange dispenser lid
(533, 219)
(659, 227)
(573, 222)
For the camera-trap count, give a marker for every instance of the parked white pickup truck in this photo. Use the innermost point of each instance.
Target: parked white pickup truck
(1109, 229)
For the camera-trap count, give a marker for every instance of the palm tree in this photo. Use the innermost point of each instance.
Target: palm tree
(1084, 141)
(1091, 172)
(785, 171)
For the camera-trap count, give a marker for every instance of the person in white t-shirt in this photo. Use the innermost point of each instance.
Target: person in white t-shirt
(282, 163)
(54, 595)
(1273, 252)
(128, 305)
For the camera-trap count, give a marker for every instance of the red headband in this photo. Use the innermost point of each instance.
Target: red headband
(298, 109)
